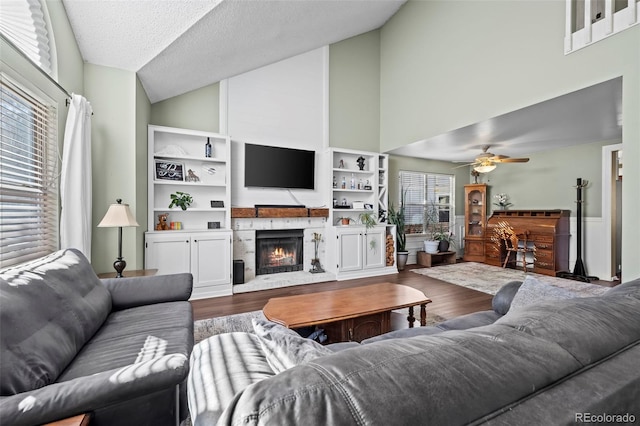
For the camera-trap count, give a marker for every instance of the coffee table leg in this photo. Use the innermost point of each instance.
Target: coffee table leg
(411, 318)
(423, 314)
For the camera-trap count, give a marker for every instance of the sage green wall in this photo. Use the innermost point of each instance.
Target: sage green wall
(70, 65)
(112, 93)
(354, 93)
(198, 110)
(447, 64)
(548, 180)
(143, 116)
(399, 163)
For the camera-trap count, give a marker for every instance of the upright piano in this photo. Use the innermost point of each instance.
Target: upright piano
(548, 231)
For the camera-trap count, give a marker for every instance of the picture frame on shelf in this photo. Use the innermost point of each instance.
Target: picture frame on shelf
(169, 170)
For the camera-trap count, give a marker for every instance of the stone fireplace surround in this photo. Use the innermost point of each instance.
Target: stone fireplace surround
(244, 247)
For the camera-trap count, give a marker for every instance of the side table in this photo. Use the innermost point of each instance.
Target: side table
(79, 420)
(133, 273)
(433, 259)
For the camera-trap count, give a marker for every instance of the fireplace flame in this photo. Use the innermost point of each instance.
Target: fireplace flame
(280, 256)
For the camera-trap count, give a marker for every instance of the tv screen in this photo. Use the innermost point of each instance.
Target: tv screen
(274, 167)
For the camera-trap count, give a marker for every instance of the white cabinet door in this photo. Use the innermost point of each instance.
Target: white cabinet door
(374, 248)
(349, 250)
(211, 258)
(168, 253)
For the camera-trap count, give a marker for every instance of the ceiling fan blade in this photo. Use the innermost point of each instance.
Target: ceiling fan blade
(465, 165)
(511, 160)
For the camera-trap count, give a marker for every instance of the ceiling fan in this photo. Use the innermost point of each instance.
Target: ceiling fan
(486, 162)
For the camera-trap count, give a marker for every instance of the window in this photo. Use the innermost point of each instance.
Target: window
(428, 201)
(28, 176)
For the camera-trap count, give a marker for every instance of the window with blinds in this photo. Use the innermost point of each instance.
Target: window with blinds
(427, 195)
(28, 176)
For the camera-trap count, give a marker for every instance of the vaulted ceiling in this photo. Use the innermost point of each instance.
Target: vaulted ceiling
(176, 46)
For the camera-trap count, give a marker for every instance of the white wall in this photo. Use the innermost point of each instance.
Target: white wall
(282, 104)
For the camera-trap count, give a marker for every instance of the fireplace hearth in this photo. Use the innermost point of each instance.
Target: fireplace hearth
(279, 251)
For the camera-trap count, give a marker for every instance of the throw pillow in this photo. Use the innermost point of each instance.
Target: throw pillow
(285, 348)
(532, 291)
(502, 300)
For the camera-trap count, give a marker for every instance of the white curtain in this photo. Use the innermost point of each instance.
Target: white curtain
(75, 182)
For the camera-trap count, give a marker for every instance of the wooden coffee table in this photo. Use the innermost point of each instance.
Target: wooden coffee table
(350, 314)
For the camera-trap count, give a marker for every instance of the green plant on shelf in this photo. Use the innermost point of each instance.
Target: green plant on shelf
(181, 199)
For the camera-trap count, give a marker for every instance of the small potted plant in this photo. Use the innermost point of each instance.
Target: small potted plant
(368, 219)
(344, 220)
(444, 238)
(181, 199)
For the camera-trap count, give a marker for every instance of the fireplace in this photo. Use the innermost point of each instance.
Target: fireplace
(279, 251)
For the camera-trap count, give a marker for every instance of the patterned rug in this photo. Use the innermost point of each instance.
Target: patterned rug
(212, 326)
(489, 279)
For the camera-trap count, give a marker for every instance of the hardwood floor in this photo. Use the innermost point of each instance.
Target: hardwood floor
(449, 300)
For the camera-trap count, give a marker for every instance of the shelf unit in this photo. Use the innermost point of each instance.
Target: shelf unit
(174, 156)
(350, 183)
(168, 145)
(475, 221)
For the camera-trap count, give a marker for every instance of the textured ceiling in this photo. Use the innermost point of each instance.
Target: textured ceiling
(177, 46)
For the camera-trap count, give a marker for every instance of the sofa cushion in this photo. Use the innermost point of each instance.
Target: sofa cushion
(50, 308)
(502, 300)
(588, 328)
(220, 367)
(285, 348)
(630, 288)
(133, 336)
(533, 291)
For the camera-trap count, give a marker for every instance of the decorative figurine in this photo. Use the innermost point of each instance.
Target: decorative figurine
(162, 224)
(341, 165)
(361, 162)
(192, 177)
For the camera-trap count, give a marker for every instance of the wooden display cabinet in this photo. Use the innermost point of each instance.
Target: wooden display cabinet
(475, 222)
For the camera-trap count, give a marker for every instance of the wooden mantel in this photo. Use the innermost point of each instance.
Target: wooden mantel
(277, 212)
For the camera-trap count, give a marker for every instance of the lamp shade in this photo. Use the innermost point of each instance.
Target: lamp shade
(485, 168)
(118, 215)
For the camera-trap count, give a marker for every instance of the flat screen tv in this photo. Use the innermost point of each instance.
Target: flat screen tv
(274, 167)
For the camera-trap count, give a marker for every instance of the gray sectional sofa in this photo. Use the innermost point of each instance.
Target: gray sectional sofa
(71, 343)
(552, 358)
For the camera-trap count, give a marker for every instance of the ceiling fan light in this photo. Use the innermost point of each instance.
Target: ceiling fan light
(484, 168)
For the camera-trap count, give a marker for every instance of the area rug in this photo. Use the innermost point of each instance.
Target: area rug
(489, 279)
(230, 323)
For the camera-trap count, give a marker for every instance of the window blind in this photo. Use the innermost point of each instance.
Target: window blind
(422, 191)
(23, 23)
(28, 176)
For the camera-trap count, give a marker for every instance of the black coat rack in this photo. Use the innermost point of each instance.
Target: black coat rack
(579, 272)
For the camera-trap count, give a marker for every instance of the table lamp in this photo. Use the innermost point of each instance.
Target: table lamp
(118, 215)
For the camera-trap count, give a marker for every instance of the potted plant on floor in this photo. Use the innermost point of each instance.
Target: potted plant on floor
(444, 238)
(396, 217)
(431, 218)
